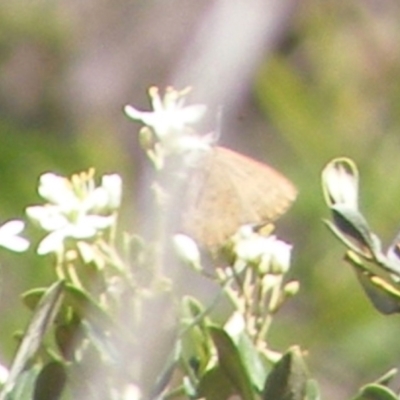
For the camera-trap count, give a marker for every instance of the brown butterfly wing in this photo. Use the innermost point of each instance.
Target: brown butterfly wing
(263, 190)
(230, 190)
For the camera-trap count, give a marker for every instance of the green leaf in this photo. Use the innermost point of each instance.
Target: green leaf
(193, 312)
(356, 233)
(375, 392)
(231, 363)
(85, 306)
(382, 294)
(312, 390)
(41, 321)
(32, 297)
(288, 379)
(198, 349)
(50, 382)
(216, 385)
(256, 369)
(24, 385)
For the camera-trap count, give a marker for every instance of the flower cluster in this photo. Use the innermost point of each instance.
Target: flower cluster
(267, 253)
(169, 125)
(75, 207)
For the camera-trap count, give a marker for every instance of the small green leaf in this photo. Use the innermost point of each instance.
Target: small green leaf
(231, 363)
(375, 392)
(193, 311)
(25, 384)
(197, 344)
(41, 321)
(50, 382)
(288, 379)
(32, 297)
(85, 306)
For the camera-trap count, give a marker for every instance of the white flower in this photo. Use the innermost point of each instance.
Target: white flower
(248, 245)
(9, 236)
(4, 373)
(76, 208)
(235, 325)
(131, 392)
(187, 250)
(112, 184)
(280, 257)
(268, 253)
(340, 183)
(169, 116)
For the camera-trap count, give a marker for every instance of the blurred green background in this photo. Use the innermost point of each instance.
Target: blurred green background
(326, 83)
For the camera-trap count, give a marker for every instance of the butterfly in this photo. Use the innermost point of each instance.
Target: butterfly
(227, 190)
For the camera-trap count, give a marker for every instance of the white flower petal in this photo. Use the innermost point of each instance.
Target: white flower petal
(191, 114)
(9, 236)
(131, 392)
(113, 186)
(169, 117)
(96, 200)
(267, 252)
(4, 373)
(235, 325)
(14, 243)
(48, 217)
(281, 254)
(52, 243)
(187, 250)
(81, 230)
(88, 226)
(249, 245)
(99, 222)
(57, 190)
(13, 227)
(147, 117)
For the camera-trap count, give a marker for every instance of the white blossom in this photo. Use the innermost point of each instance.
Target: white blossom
(268, 253)
(187, 250)
(9, 236)
(169, 115)
(75, 207)
(4, 373)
